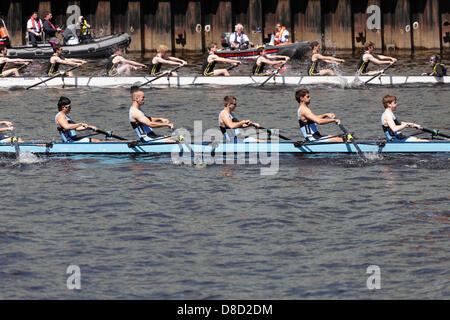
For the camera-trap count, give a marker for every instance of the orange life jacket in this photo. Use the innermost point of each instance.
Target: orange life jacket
(278, 35)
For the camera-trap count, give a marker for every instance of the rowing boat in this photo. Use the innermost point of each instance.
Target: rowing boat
(178, 81)
(43, 148)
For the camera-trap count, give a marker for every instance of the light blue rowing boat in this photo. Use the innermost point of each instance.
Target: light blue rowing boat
(43, 148)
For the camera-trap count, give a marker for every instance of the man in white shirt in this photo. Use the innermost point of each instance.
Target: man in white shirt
(34, 28)
(238, 39)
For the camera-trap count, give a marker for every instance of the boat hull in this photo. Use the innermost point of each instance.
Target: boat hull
(97, 48)
(293, 50)
(179, 81)
(226, 148)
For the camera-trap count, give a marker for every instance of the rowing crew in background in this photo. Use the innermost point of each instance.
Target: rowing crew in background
(210, 63)
(57, 59)
(4, 60)
(118, 65)
(162, 58)
(263, 60)
(369, 56)
(314, 59)
(438, 70)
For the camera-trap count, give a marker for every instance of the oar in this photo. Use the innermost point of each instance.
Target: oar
(15, 142)
(435, 132)
(379, 73)
(273, 74)
(270, 132)
(160, 76)
(233, 66)
(109, 134)
(21, 67)
(352, 140)
(58, 75)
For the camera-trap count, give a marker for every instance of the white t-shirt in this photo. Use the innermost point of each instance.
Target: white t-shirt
(36, 29)
(234, 37)
(285, 36)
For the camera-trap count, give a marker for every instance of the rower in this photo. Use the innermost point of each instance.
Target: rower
(238, 39)
(67, 128)
(143, 124)
(369, 56)
(392, 126)
(314, 59)
(118, 65)
(229, 125)
(56, 59)
(264, 59)
(281, 36)
(4, 60)
(308, 121)
(160, 59)
(4, 138)
(439, 69)
(212, 59)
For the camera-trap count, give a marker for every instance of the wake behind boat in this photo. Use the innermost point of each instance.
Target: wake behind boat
(176, 81)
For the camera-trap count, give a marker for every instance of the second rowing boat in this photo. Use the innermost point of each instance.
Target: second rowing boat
(178, 81)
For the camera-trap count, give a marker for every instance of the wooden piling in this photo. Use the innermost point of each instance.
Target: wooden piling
(307, 20)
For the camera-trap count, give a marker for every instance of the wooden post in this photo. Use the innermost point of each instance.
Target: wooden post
(444, 10)
(337, 24)
(362, 33)
(254, 22)
(217, 19)
(101, 23)
(425, 24)
(188, 26)
(276, 11)
(396, 21)
(157, 24)
(307, 20)
(16, 27)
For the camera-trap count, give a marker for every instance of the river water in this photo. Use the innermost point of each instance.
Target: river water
(149, 228)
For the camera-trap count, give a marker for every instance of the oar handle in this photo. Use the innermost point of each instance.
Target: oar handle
(352, 140)
(379, 73)
(270, 131)
(168, 73)
(273, 74)
(435, 132)
(109, 134)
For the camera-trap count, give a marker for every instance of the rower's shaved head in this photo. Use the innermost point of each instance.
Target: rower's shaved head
(137, 94)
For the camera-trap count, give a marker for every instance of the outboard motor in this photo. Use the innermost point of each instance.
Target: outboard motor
(70, 35)
(225, 39)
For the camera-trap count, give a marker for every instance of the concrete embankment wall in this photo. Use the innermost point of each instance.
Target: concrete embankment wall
(192, 25)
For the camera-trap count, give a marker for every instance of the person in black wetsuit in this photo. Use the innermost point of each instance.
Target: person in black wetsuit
(210, 62)
(264, 59)
(439, 69)
(4, 60)
(314, 59)
(369, 56)
(56, 59)
(160, 59)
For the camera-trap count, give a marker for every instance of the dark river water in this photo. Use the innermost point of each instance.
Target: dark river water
(149, 228)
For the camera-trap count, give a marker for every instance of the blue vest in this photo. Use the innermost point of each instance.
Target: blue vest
(67, 136)
(141, 129)
(308, 128)
(390, 134)
(229, 134)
